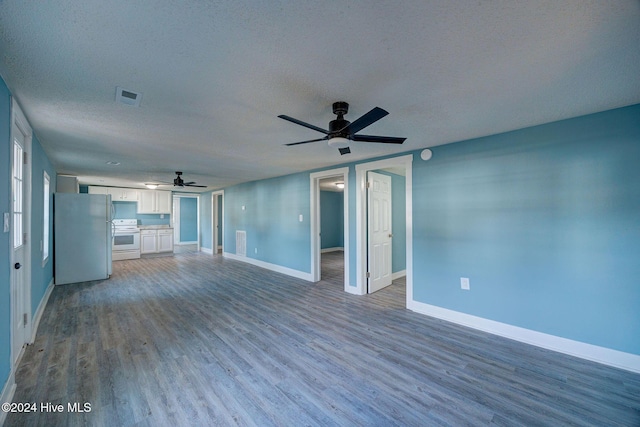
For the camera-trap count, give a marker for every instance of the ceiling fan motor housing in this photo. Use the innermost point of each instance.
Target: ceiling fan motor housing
(340, 108)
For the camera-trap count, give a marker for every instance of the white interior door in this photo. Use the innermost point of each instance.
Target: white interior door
(20, 291)
(379, 234)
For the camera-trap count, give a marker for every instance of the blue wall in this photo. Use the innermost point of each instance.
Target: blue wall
(331, 219)
(5, 198)
(271, 220)
(545, 223)
(41, 275)
(188, 219)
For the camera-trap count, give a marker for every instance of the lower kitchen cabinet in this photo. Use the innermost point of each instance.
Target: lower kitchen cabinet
(165, 240)
(154, 241)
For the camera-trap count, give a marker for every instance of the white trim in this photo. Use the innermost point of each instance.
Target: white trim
(606, 356)
(208, 251)
(361, 219)
(398, 274)
(186, 243)
(273, 267)
(314, 182)
(8, 392)
(35, 321)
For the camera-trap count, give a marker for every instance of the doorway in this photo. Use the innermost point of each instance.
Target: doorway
(20, 230)
(186, 222)
(329, 178)
(217, 221)
(401, 165)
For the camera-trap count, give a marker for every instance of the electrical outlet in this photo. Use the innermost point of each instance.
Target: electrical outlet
(464, 283)
(255, 250)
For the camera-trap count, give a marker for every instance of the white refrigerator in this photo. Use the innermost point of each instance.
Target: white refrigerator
(82, 237)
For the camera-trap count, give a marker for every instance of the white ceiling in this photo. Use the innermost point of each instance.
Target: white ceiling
(215, 76)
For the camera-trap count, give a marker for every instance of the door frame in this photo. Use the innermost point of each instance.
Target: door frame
(19, 123)
(176, 218)
(361, 219)
(214, 220)
(314, 179)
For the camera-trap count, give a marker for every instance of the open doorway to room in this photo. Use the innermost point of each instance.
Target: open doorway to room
(399, 169)
(186, 223)
(217, 212)
(329, 226)
(332, 230)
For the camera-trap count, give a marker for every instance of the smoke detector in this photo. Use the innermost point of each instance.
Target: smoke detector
(128, 97)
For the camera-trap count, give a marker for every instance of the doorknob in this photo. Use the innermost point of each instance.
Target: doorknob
(17, 265)
(390, 234)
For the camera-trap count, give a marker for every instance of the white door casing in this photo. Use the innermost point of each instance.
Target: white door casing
(315, 178)
(404, 162)
(379, 231)
(20, 228)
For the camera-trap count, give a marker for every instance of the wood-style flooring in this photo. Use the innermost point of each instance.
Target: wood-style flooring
(198, 340)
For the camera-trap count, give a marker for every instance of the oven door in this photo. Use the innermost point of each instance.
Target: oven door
(126, 240)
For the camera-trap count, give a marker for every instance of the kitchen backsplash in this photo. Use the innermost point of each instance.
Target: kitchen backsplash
(127, 210)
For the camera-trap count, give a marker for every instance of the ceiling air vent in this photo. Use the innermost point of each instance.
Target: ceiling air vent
(128, 97)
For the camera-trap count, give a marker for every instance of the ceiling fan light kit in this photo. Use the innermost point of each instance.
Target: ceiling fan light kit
(341, 131)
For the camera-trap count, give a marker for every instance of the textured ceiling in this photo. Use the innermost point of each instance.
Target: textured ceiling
(215, 76)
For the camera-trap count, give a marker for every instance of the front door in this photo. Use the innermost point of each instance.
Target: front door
(20, 312)
(379, 221)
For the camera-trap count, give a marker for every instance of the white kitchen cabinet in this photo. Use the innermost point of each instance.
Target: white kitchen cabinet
(156, 241)
(117, 194)
(123, 194)
(165, 240)
(148, 242)
(154, 202)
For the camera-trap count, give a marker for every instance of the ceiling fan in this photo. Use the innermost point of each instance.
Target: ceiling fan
(179, 182)
(342, 131)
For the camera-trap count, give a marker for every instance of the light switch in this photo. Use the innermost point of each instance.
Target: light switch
(300, 218)
(464, 283)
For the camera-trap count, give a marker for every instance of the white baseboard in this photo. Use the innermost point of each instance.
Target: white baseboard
(273, 267)
(8, 391)
(35, 320)
(206, 250)
(195, 242)
(606, 356)
(398, 274)
(337, 248)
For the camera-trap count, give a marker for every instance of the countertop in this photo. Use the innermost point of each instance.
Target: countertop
(154, 227)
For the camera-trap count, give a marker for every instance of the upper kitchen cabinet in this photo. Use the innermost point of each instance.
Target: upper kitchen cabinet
(154, 202)
(117, 194)
(123, 194)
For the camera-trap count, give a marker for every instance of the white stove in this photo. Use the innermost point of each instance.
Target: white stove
(126, 239)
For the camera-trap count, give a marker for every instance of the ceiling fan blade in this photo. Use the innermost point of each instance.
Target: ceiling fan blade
(381, 139)
(306, 142)
(194, 185)
(363, 121)
(345, 150)
(188, 183)
(301, 123)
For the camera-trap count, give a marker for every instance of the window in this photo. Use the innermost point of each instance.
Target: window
(47, 221)
(17, 195)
